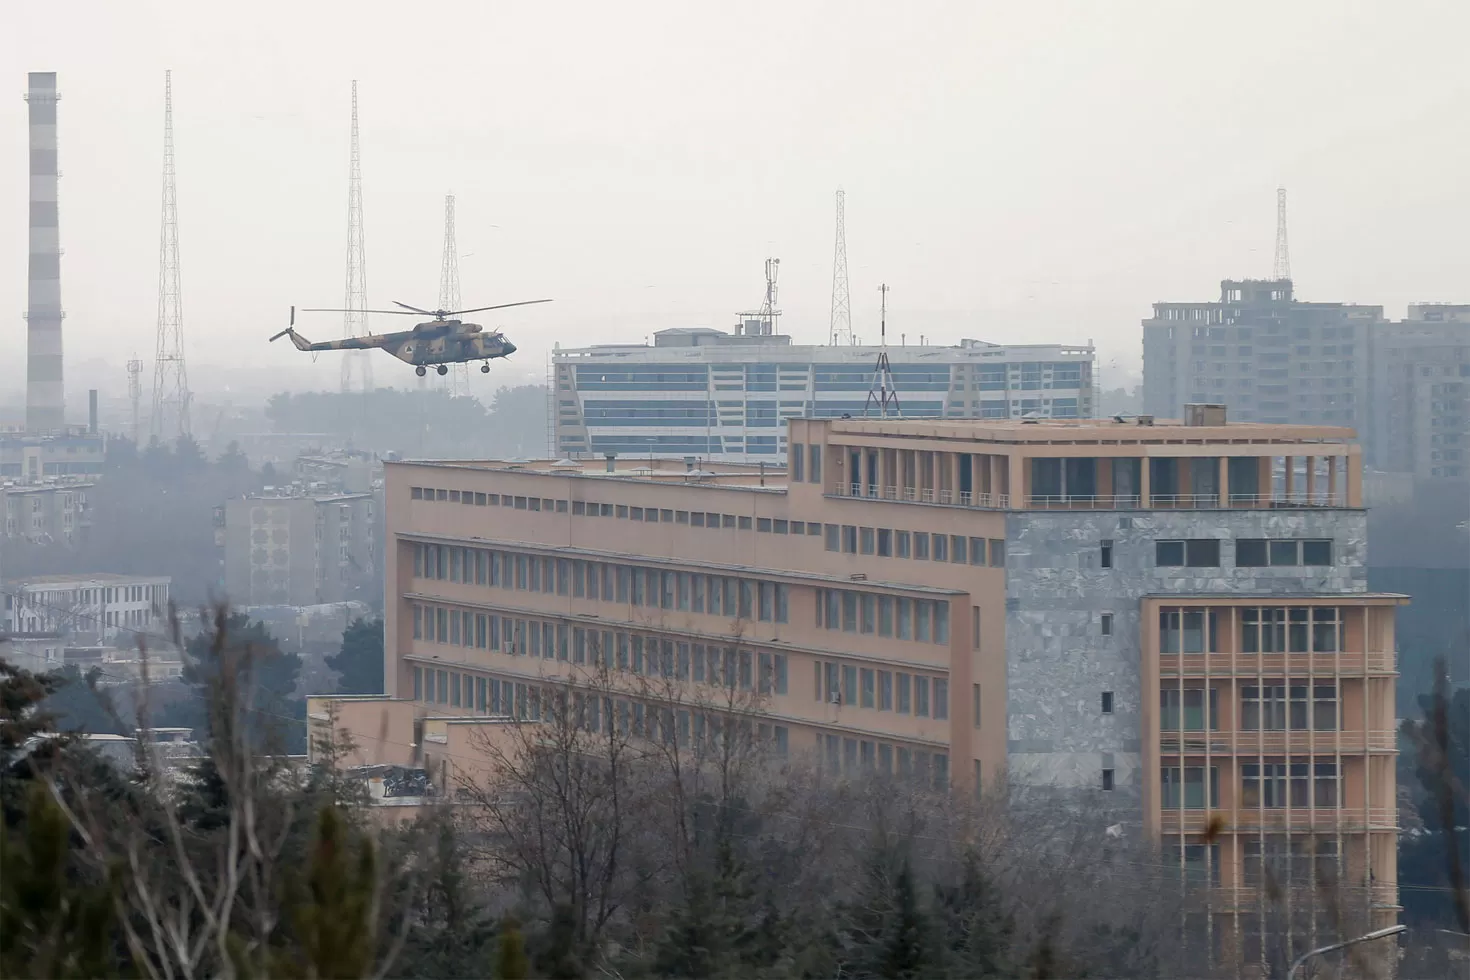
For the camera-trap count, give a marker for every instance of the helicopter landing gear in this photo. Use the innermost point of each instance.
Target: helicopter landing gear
(443, 369)
(485, 368)
(420, 371)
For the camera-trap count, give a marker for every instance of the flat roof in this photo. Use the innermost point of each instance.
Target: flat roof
(1020, 431)
(702, 472)
(86, 577)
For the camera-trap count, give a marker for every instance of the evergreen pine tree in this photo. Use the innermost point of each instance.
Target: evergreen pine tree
(978, 929)
(511, 962)
(51, 926)
(558, 954)
(905, 952)
(334, 931)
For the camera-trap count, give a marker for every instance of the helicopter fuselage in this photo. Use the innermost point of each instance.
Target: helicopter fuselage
(427, 344)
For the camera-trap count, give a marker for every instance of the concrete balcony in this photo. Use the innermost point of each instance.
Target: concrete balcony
(1247, 744)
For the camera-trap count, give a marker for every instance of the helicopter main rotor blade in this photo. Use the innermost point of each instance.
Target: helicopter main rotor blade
(319, 309)
(502, 306)
(415, 309)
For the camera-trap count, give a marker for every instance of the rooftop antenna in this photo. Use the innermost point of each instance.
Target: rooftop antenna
(882, 393)
(354, 321)
(762, 322)
(841, 330)
(457, 382)
(1281, 268)
(170, 378)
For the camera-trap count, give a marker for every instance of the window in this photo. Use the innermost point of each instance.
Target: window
(974, 627)
(849, 685)
(1107, 780)
(868, 687)
(997, 553)
(814, 464)
(957, 549)
(1299, 783)
(1186, 789)
(975, 705)
(885, 690)
(797, 454)
(904, 699)
(1261, 552)
(1278, 629)
(921, 545)
(941, 699)
(832, 531)
(885, 543)
(1107, 624)
(940, 545)
(901, 543)
(1192, 716)
(1195, 553)
(1106, 559)
(977, 551)
(849, 539)
(921, 696)
(1107, 700)
(865, 536)
(1184, 631)
(1275, 707)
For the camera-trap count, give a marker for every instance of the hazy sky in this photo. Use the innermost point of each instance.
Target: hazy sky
(1023, 172)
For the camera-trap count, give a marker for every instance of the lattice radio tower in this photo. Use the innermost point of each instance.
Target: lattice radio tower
(354, 321)
(1281, 268)
(841, 305)
(135, 392)
(457, 381)
(882, 394)
(170, 377)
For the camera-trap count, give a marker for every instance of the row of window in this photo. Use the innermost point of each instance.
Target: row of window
(1272, 707)
(882, 690)
(852, 756)
(715, 595)
(1249, 552)
(1299, 783)
(920, 545)
(533, 702)
(1263, 629)
(632, 652)
(921, 620)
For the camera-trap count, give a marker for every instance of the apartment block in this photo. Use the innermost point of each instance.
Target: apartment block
(1265, 354)
(45, 513)
(727, 396)
(1404, 385)
(1168, 620)
(1421, 393)
(300, 549)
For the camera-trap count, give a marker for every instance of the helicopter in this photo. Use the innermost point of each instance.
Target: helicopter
(437, 343)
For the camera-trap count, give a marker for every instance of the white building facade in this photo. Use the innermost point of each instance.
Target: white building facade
(99, 606)
(722, 396)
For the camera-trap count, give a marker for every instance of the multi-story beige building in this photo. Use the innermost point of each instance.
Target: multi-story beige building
(1169, 620)
(299, 548)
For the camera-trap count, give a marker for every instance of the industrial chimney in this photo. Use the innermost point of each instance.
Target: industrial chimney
(45, 396)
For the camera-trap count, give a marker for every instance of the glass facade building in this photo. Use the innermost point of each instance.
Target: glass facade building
(703, 392)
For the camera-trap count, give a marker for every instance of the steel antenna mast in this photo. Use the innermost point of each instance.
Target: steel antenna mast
(882, 394)
(458, 379)
(1281, 268)
(354, 320)
(841, 327)
(170, 376)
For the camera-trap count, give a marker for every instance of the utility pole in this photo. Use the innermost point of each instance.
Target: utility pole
(841, 325)
(170, 376)
(354, 321)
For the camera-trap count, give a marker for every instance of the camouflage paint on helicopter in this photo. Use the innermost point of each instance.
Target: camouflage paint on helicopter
(437, 343)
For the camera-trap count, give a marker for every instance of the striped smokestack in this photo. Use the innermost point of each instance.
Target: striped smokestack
(45, 397)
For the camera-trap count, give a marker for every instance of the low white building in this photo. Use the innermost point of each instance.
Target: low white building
(100, 606)
(36, 652)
